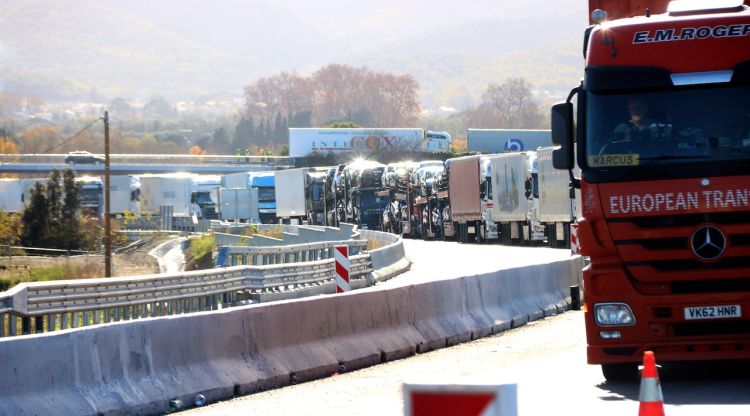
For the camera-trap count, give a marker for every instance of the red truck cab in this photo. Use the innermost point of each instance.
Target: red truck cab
(663, 141)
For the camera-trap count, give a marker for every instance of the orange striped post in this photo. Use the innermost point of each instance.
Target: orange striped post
(652, 402)
(343, 267)
(574, 238)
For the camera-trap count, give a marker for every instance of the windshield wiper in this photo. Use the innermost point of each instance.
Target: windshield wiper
(673, 157)
(660, 158)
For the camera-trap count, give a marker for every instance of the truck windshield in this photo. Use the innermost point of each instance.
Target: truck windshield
(266, 195)
(666, 127)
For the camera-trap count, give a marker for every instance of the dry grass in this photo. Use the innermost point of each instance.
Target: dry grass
(375, 244)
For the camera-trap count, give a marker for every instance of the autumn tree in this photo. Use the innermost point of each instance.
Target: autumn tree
(8, 146)
(510, 105)
(10, 228)
(333, 93)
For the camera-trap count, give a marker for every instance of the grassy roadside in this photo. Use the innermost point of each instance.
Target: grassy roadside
(11, 275)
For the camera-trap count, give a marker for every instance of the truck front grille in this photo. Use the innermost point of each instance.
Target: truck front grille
(657, 250)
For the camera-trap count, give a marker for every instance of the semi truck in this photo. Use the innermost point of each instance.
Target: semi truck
(460, 205)
(91, 194)
(506, 140)
(661, 125)
(322, 141)
(367, 195)
(205, 194)
(299, 196)
(265, 183)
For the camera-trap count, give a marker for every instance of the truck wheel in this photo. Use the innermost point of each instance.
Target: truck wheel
(565, 243)
(620, 372)
(552, 235)
(505, 234)
(481, 233)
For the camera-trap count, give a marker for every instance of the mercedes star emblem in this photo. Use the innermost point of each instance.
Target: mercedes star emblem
(708, 243)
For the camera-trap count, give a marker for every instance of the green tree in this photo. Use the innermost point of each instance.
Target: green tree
(34, 218)
(278, 129)
(243, 133)
(220, 140)
(71, 222)
(54, 209)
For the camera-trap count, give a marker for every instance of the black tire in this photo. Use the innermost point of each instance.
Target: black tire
(565, 243)
(620, 372)
(552, 235)
(481, 233)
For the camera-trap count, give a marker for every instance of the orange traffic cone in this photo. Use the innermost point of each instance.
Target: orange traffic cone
(652, 402)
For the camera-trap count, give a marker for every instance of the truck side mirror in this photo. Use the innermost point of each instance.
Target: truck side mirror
(562, 135)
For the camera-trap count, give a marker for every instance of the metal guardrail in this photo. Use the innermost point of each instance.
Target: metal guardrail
(8, 250)
(49, 306)
(243, 255)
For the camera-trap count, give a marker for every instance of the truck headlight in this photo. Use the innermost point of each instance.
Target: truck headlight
(613, 314)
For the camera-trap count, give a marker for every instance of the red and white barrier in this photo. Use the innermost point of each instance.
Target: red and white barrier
(343, 268)
(460, 400)
(574, 248)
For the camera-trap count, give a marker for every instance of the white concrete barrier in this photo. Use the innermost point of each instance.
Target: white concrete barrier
(137, 367)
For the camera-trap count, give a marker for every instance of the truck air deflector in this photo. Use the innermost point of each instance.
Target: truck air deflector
(604, 78)
(697, 78)
(687, 7)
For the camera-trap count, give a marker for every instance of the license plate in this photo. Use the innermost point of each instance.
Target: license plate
(472, 230)
(713, 312)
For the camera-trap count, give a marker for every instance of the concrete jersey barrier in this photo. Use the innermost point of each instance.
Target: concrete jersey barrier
(137, 367)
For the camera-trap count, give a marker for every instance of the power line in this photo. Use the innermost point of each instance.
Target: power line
(73, 136)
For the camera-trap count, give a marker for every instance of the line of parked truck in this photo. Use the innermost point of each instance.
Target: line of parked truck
(514, 197)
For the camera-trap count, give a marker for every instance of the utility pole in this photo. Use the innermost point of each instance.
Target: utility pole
(107, 225)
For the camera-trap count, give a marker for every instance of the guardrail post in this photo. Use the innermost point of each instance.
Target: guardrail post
(39, 324)
(25, 325)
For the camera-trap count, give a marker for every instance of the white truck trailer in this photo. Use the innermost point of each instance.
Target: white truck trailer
(173, 189)
(323, 141)
(237, 180)
(11, 195)
(124, 194)
(506, 140)
(239, 204)
(513, 205)
(291, 200)
(555, 209)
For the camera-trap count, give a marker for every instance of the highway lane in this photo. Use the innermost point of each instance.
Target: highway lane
(545, 358)
(437, 260)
